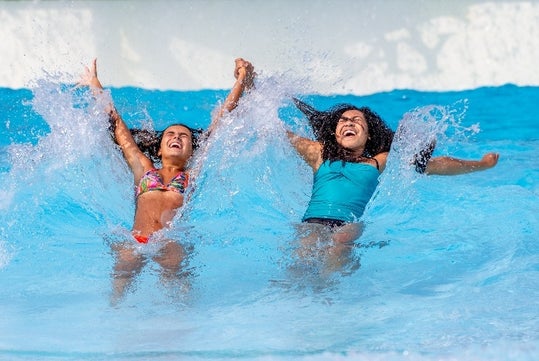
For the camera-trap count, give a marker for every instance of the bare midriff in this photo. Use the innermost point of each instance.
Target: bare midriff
(155, 210)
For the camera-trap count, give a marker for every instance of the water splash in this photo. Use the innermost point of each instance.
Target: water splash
(248, 160)
(451, 255)
(5, 254)
(68, 174)
(418, 129)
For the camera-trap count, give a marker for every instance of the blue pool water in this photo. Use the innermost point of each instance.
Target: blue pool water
(447, 268)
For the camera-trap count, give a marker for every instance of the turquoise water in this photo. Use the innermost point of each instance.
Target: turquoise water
(447, 268)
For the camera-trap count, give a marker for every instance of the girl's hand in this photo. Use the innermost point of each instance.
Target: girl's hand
(489, 160)
(244, 72)
(89, 76)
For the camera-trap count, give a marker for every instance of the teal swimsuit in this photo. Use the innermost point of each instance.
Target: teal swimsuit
(340, 192)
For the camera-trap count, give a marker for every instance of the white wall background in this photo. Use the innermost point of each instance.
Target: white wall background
(342, 46)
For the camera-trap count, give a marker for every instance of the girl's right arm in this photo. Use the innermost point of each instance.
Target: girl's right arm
(309, 150)
(137, 161)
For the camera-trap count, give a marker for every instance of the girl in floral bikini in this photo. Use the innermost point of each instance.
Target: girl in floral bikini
(159, 192)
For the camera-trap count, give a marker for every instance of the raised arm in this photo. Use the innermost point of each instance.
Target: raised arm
(309, 150)
(136, 160)
(244, 74)
(454, 166)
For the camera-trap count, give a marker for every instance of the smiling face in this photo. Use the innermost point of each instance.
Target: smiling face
(352, 131)
(176, 142)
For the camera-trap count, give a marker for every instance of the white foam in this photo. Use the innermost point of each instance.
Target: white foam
(352, 47)
(5, 255)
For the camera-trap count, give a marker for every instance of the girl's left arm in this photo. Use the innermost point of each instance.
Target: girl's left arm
(244, 74)
(454, 166)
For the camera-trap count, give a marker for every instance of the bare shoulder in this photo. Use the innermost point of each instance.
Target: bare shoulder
(381, 158)
(309, 150)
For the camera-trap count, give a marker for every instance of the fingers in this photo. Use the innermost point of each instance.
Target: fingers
(242, 65)
(94, 66)
(491, 159)
(240, 62)
(89, 75)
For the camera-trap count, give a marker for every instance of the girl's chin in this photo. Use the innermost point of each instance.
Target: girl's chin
(350, 145)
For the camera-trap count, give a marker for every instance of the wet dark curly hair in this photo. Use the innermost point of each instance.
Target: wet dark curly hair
(324, 124)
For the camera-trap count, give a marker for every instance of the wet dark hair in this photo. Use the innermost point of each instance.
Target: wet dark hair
(149, 140)
(324, 124)
(421, 159)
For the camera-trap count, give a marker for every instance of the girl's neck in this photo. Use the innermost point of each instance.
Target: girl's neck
(355, 155)
(173, 167)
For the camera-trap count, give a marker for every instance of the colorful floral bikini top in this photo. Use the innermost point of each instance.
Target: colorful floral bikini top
(152, 181)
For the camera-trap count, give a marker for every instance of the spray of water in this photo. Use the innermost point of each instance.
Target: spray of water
(72, 170)
(249, 178)
(396, 195)
(250, 183)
